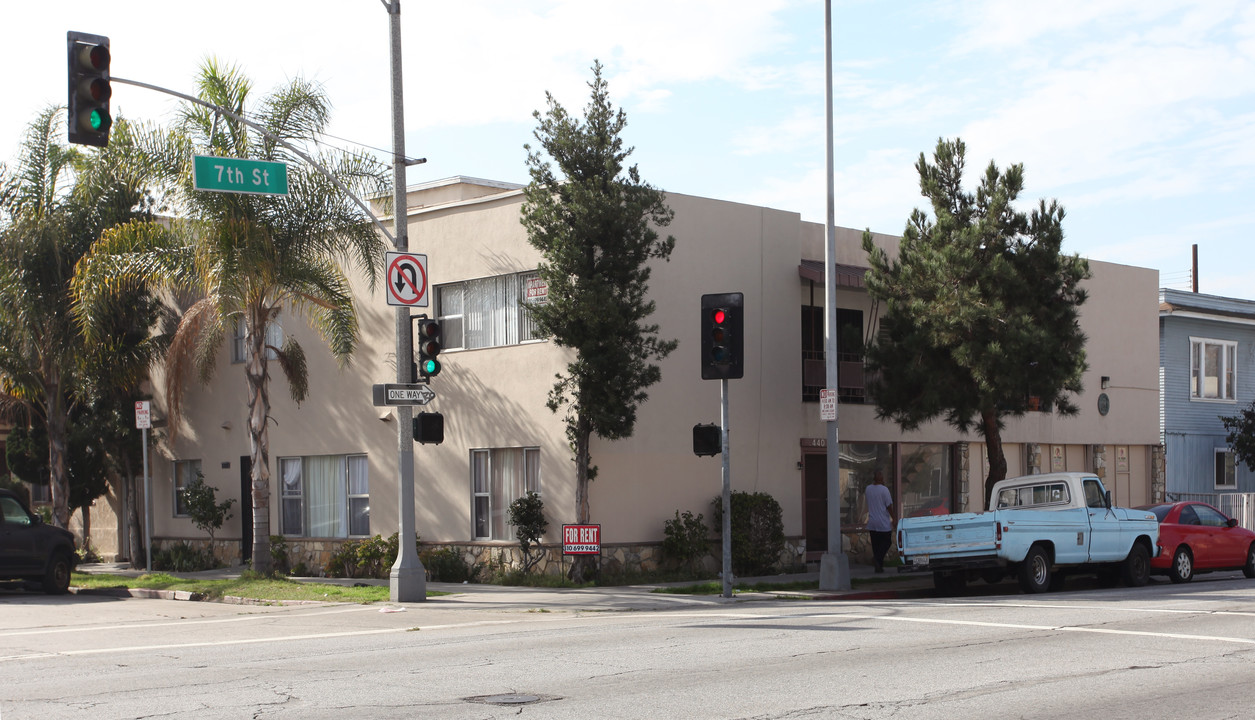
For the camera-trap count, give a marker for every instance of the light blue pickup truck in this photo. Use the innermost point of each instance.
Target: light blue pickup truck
(1038, 528)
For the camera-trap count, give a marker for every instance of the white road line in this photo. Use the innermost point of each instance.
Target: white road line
(179, 623)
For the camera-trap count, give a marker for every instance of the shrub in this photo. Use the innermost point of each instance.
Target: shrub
(686, 540)
(447, 565)
(181, 557)
(757, 532)
(527, 516)
(365, 558)
(203, 507)
(278, 555)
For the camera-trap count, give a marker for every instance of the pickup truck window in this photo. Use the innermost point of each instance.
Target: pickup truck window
(1034, 495)
(1093, 494)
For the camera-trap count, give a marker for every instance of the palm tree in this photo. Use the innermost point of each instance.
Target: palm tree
(53, 205)
(248, 258)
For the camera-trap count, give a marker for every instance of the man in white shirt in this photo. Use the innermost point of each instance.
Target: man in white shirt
(879, 518)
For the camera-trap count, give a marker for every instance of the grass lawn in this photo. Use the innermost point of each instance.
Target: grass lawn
(247, 586)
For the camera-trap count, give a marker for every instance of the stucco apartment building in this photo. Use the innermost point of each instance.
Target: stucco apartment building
(335, 457)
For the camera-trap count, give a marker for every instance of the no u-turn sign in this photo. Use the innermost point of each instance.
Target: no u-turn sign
(407, 279)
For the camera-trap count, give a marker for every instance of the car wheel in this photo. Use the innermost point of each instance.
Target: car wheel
(1249, 568)
(1035, 571)
(1136, 568)
(57, 577)
(1182, 568)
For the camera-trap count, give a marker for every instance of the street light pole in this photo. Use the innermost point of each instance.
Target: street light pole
(407, 582)
(834, 566)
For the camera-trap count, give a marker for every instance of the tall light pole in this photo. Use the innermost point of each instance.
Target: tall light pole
(834, 566)
(407, 582)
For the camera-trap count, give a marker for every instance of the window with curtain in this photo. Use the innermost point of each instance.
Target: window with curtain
(325, 496)
(1213, 369)
(499, 476)
(488, 312)
(239, 349)
(185, 473)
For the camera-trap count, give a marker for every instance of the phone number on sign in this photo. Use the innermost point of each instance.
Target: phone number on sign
(571, 549)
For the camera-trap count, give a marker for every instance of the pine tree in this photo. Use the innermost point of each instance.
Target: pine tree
(596, 230)
(981, 318)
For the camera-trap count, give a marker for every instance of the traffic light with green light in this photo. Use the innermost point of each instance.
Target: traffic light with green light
(428, 348)
(88, 89)
(723, 342)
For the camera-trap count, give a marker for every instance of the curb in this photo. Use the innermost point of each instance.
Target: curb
(141, 593)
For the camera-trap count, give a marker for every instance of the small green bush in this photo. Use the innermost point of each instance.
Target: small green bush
(203, 507)
(687, 539)
(447, 565)
(757, 532)
(279, 563)
(181, 557)
(527, 516)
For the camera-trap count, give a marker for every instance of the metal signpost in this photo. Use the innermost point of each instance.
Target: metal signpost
(233, 175)
(143, 421)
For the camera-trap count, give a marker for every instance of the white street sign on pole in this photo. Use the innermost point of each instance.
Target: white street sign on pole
(827, 404)
(143, 415)
(407, 279)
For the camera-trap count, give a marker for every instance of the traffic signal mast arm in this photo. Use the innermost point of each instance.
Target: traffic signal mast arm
(301, 154)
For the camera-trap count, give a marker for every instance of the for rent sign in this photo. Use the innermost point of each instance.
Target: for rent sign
(581, 539)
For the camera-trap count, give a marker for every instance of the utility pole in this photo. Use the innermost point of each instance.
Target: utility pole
(834, 566)
(407, 582)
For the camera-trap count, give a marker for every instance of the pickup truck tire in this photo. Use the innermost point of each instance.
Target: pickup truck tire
(1249, 568)
(57, 577)
(1035, 571)
(1136, 567)
(1182, 568)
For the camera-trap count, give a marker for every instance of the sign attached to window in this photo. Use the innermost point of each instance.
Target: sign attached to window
(535, 291)
(581, 539)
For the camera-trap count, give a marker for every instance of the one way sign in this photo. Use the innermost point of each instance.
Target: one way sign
(407, 279)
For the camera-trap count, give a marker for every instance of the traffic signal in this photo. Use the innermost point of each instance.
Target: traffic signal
(723, 342)
(88, 89)
(428, 348)
(429, 428)
(707, 440)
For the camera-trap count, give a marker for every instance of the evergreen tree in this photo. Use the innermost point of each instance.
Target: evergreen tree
(981, 308)
(596, 229)
(1241, 437)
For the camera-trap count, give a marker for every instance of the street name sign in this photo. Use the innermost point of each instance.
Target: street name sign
(233, 175)
(402, 394)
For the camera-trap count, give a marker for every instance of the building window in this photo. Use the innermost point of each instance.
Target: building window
(40, 494)
(239, 331)
(1226, 471)
(1213, 369)
(185, 473)
(499, 477)
(324, 496)
(489, 312)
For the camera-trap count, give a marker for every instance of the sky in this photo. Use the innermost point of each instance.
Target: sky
(1138, 116)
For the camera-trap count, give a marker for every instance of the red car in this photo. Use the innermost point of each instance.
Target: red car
(1198, 538)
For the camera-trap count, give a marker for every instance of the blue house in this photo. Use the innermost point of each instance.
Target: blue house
(1206, 370)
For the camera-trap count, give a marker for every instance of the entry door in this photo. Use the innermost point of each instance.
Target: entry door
(246, 508)
(815, 504)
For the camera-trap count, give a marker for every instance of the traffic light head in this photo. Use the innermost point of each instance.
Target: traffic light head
(429, 428)
(707, 440)
(723, 341)
(88, 90)
(428, 348)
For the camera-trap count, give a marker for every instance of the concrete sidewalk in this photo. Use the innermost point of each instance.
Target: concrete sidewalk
(870, 586)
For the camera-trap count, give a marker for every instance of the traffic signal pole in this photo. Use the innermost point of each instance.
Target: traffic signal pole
(726, 531)
(407, 582)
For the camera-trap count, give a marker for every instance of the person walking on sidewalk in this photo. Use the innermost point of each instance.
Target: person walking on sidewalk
(879, 518)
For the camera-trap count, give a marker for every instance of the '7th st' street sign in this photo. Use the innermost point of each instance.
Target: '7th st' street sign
(402, 394)
(233, 175)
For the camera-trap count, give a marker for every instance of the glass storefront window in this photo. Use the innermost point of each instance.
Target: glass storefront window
(927, 479)
(859, 462)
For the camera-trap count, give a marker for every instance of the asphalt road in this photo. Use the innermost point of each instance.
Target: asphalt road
(1159, 651)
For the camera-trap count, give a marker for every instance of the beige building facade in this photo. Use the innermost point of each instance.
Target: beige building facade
(334, 458)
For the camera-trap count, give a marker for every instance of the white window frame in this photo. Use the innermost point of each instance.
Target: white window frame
(485, 312)
(239, 331)
(489, 509)
(1227, 373)
(348, 496)
(185, 471)
(1225, 476)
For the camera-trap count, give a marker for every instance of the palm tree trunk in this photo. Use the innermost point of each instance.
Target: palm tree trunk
(258, 413)
(55, 422)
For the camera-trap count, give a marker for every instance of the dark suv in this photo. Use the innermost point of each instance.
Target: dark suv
(32, 550)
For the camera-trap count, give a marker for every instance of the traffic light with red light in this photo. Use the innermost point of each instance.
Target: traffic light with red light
(88, 90)
(428, 348)
(723, 342)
